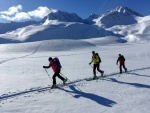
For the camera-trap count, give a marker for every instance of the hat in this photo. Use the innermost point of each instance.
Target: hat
(93, 51)
(50, 58)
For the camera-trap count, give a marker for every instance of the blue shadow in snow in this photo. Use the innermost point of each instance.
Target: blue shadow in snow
(132, 84)
(140, 69)
(138, 74)
(98, 99)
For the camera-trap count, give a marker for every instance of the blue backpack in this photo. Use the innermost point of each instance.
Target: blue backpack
(57, 62)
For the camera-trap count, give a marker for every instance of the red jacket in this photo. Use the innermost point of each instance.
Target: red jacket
(54, 67)
(121, 59)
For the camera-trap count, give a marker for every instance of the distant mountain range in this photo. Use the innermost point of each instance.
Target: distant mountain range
(64, 25)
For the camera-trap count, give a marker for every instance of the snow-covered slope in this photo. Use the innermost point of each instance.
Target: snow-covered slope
(22, 76)
(53, 29)
(47, 45)
(135, 32)
(6, 27)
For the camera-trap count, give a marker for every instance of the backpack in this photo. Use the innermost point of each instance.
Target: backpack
(123, 58)
(57, 63)
(98, 57)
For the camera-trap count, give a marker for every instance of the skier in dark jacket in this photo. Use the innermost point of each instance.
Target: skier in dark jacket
(96, 64)
(56, 70)
(121, 60)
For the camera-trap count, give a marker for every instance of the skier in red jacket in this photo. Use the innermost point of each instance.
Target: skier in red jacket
(56, 68)
(121, 60)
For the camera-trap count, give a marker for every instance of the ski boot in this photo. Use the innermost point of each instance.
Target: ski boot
(54, 86)
(95, 77)
(102, 73)
(64, 81)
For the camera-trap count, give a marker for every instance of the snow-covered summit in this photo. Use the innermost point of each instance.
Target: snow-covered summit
(127, 11)
(119, 16)
(63, 16)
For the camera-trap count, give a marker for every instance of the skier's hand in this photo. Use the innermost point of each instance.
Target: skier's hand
(44, 66)
(89, 63)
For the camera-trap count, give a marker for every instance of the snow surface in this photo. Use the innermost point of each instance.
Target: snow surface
(22, 76)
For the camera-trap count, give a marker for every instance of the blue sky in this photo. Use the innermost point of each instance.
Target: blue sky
(21, 10)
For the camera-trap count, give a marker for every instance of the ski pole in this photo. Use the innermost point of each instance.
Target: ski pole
(92, 67)
(64, 76)
(70, 81)
(48, 75)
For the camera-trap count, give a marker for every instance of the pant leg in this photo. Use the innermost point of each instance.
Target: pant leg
(59, 76)
(98, 68)
(94, 69)
(124, 67)
(120, 68)
(54, 78)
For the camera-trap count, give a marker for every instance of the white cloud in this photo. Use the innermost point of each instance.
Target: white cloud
(41, 12)
(14, 13)
(18, 17)
(12, 10)
(21, 16)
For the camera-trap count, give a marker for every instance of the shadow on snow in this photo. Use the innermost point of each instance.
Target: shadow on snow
(132, 72)
(98, 99)
(132, 84)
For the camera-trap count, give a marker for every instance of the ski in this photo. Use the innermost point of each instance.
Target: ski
(57, 87)
(99, 77)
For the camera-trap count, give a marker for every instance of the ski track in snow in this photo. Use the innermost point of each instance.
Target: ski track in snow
(36, 49)
(4, 98)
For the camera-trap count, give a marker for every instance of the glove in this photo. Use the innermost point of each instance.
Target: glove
(44, 66)
(89, 63)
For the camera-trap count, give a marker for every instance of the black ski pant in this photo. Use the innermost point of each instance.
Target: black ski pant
(96, 66)
(56, 74)
(122, 65)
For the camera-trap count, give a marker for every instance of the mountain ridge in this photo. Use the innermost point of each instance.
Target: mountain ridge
(64, 25)
(68, 17)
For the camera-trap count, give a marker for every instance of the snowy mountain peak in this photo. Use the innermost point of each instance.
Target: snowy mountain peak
(119, 16)
(63, 16)
(126, 10)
